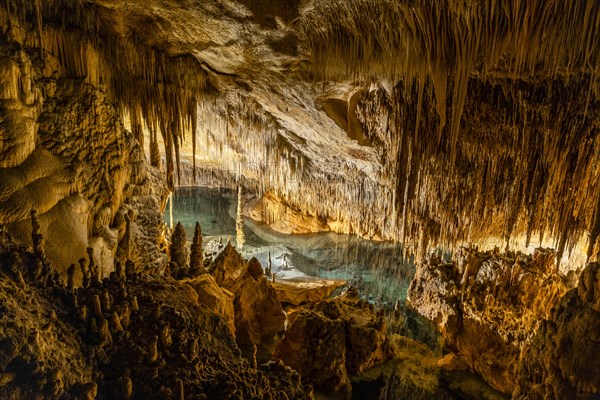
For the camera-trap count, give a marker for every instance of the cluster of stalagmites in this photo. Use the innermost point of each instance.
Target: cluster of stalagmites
(327, 341)
(126, 336)
(508, 318)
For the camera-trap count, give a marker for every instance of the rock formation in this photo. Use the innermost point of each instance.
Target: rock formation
(429, 122)
(295, 292)
(179, 252)
(123, 337)
(216, 298)
(227, 266)
(258, 312)
(562, 360)
(196, 253)
(332, 340)
(488, 306)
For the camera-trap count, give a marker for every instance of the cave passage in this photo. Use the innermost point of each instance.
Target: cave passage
(377, 269)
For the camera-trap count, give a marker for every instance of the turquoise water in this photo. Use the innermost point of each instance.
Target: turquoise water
(376, 268)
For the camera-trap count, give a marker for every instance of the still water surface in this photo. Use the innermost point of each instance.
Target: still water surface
(376, 268)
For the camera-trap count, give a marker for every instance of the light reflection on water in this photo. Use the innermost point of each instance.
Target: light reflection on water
(376, 268)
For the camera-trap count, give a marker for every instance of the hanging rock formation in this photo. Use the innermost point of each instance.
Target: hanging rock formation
(469, 121)
(428, 122)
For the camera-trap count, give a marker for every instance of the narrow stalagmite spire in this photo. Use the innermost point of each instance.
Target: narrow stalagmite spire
(196, 256)
(239, 221)
(178, 251)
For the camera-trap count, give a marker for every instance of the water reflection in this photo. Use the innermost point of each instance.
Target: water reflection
(376, 268)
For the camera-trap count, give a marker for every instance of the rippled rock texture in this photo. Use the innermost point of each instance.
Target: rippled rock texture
(489, 306)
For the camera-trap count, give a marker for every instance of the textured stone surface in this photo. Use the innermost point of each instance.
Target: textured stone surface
(216, 298)
(129, 336)
(258, 312)
(488, 306)
(300, 291)
(78, 168)
(562, 360)
(227, 266)
(332, 340)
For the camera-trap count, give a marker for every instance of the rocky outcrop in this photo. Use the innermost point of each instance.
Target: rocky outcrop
(127, 336)
(332, 340)
(227, 266)
(216, 298)
(66, 155)
(488, 306)
(562, 361)
(299, 291)
(258, 311)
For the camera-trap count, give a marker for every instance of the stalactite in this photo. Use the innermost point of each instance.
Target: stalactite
(443, 47)
(146, 83)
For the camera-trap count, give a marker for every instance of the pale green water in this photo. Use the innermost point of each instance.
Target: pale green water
(376, 268)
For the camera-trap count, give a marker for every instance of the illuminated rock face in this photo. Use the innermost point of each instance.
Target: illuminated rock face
(332, 340)
(124, 337)
(489, 307)
(428, 122)
(258, 312)
(71, 160)
(468, 132)
(562, 360)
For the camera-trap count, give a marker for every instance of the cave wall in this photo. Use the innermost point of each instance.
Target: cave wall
(66, 155)
(486, 111)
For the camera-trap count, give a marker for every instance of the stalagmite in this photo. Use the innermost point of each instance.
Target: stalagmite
(84, 272)
(240, 237)
(179, 252)
(196, 254)
(71, 277)
(441, 125)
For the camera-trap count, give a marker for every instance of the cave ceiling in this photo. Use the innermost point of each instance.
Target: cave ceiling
(425, 121)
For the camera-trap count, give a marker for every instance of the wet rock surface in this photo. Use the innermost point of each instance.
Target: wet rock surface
(489, 306)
